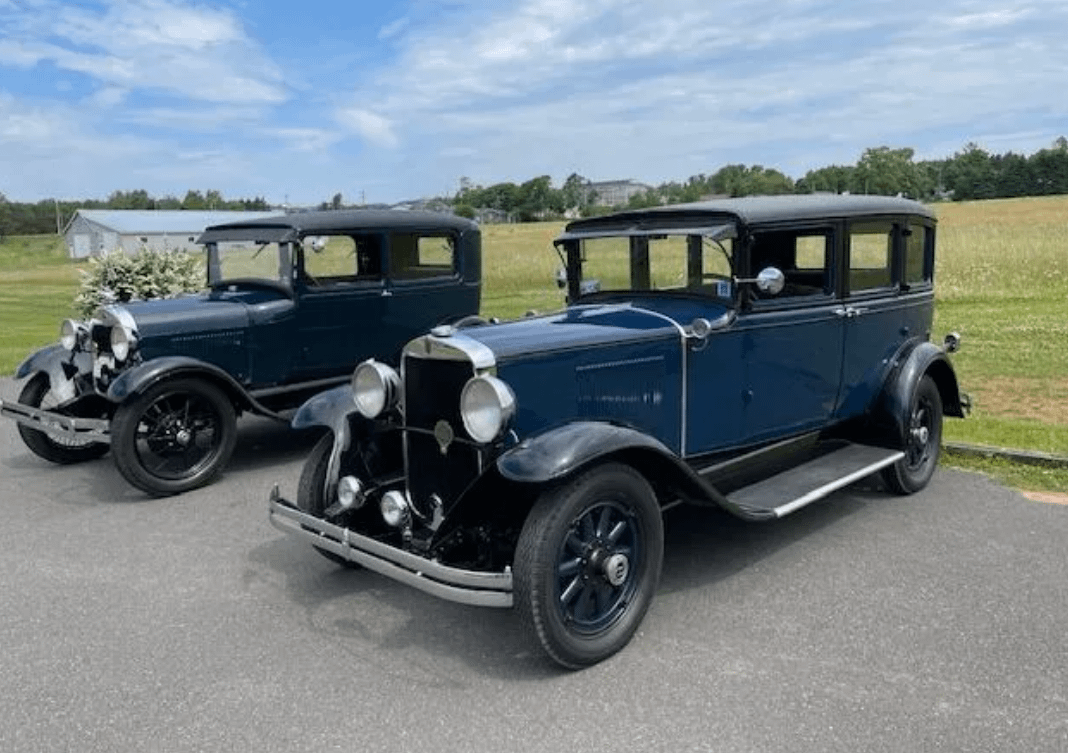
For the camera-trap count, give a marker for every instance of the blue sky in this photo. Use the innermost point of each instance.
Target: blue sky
(397, 99)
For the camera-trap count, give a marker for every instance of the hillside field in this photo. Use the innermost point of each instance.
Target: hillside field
(1001, 282)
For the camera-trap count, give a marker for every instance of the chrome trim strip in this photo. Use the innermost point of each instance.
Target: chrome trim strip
(838, 483)
(69, 427)
(121, 315)
(450, 583)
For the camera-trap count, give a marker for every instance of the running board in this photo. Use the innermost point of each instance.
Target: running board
(787, 491)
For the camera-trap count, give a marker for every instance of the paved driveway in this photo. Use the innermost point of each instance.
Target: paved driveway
(864, 623)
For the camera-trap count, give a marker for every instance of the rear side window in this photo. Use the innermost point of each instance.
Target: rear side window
(917, 240)
(418, 257)
(870, 256)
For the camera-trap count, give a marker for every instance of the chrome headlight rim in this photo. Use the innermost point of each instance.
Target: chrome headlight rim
(375, 388)
(72, 334)
(487, 405)
(123, 341)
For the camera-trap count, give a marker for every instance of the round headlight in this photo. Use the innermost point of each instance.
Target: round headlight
(486, 406)
(68, 334)
(122, 341)
(394, 508)
(374, 388)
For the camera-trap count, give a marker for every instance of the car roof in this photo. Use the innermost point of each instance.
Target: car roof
(296, 224)
(752, 210)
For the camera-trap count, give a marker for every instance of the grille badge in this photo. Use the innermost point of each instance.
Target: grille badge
(444, 434)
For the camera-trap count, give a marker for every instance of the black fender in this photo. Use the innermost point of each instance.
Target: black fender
(331, 409)
(135, 380)
(564, 450)
(894, 404)
(61, 366)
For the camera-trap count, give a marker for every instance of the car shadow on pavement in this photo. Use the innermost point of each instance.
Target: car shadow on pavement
(346, 607)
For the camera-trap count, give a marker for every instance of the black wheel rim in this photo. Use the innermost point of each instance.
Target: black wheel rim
(179, 435)
(921, 434)
(596, 570)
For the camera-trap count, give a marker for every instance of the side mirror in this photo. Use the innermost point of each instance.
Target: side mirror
(771, 280)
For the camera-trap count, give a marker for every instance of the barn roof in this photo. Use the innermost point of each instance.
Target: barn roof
(156, 221)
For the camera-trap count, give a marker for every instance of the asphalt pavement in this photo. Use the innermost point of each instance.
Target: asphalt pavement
(866, 622)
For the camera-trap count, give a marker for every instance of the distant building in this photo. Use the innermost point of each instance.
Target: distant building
(92, 232)
(614, 193)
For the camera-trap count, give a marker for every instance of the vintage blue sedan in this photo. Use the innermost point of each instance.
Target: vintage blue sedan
(755, 354)
(292, 304)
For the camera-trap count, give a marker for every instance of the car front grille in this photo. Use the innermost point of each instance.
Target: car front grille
(434, 464)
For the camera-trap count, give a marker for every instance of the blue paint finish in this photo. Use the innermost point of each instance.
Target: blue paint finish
(325, 409)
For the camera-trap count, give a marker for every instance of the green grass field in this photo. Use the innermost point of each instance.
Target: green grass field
(1002, 283)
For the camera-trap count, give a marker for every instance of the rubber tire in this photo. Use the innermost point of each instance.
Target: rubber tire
(33, 395)
(910, 474)
(541, 544)
(124, 436)
(310, 491)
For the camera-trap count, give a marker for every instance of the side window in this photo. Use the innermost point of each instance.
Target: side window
(870, 256)
(418, 257)
(802, 256)
(341, 259)
(917, 239)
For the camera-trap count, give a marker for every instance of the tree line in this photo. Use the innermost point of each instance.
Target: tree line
(972, 173)
(52, 215)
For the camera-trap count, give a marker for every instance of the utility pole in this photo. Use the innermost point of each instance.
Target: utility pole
(59, 230)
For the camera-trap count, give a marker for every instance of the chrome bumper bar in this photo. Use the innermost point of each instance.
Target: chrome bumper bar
(451, 583)
(68, 427)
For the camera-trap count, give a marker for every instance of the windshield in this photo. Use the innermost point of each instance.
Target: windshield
(231, 260)
(665, 262)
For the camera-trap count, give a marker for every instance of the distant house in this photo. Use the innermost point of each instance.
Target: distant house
(92, 232)
(614, 193)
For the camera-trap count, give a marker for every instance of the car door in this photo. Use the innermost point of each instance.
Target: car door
(791, 343)
(888, 300)
(424, 287)
(340, 285)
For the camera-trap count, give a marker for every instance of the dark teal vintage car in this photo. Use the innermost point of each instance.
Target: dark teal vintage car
(755, 354)
(292, 304)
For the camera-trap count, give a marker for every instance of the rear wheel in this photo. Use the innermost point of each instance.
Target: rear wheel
(176, 436)
(587, 564)
(55, 448)
(311, 491)
(923, 442)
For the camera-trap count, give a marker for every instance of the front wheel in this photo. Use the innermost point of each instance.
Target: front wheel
(923, 442)
(55, 448)
(311, 491)
(587, 564)
(176, 436)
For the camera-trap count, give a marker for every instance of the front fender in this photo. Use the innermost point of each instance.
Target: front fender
(331, 409)
(926, 359)
(60, 365)
(135, 380)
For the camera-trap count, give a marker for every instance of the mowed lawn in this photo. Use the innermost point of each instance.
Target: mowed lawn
(1002, 283)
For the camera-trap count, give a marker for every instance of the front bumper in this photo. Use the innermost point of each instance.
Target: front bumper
(68, 427)
(454, 584)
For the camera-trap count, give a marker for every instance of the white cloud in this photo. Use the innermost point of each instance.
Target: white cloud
(371, 126)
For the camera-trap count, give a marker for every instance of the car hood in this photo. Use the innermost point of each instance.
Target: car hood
(185, 315)
(581, 328)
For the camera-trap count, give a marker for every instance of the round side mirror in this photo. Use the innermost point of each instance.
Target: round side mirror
(771, 280)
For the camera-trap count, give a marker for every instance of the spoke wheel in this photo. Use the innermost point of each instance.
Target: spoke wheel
(55, 448)
(923, 441)
(176, 436)
(587, 564)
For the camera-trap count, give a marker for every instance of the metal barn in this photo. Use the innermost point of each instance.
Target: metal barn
(92, 232)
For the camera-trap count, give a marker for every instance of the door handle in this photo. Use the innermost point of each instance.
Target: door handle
(848, 312)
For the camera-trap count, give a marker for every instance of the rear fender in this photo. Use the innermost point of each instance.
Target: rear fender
(894, 406)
